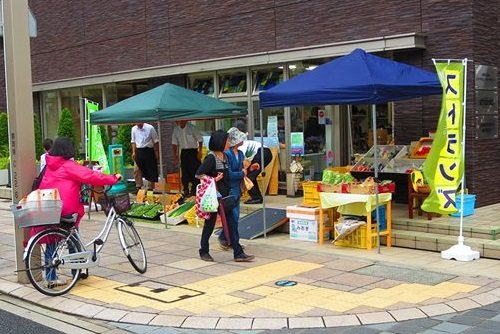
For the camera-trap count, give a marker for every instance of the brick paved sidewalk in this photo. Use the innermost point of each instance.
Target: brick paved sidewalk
(334, 286)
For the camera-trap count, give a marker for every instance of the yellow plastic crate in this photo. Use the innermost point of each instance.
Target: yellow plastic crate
(357, 239)
(341, 169)
(311, 194)
(192, 218)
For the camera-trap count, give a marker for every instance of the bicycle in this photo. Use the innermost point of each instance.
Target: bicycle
(56, 256)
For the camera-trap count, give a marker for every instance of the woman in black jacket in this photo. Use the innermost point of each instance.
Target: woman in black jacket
(216, 166)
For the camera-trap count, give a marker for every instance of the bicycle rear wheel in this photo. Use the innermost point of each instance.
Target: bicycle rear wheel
(43, 263)
(132, 245)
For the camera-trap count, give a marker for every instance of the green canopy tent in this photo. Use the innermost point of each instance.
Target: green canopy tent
(167, 102)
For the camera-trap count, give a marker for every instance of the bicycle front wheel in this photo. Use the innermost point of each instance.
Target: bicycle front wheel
(45, 270)
(132, 245)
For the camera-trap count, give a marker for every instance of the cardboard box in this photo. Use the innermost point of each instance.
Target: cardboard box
(302, 212)
(161, 185)
(305, 230)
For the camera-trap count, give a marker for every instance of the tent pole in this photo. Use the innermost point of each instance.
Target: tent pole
(86, 129)
(375, 168)
(349, 132)
(160, 176)
(263, 173)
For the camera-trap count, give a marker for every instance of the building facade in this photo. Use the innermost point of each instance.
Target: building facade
(106, 51)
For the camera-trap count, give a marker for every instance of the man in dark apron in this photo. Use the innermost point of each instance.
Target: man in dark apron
(187, 140)
(145, 151)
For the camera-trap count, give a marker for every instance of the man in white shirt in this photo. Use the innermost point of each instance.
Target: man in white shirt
(188, 140)
(145, 151)
(252, 151)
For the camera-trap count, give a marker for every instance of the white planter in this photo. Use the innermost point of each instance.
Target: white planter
(4, 177)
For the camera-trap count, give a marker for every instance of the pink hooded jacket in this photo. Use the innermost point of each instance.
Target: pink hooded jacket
(67, 176)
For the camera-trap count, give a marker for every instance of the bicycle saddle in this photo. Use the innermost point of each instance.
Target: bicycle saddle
(69, 219)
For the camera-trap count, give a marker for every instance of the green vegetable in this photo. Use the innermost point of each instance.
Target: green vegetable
(181, 209)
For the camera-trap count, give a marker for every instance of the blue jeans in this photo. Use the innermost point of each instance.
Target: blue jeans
(50, 273)
(236, 218)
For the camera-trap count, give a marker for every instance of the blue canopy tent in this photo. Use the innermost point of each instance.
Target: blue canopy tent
(357, 78)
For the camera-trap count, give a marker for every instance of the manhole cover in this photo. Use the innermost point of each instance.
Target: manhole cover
(159, 291)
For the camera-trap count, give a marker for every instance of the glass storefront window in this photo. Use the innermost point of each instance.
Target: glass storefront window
(203, 84)
(50, 114)
(233, 83)
(111, 94)
(119, 92)
(361, 125)
(206, 126)
(94, 94)
(305, 119)
(266, 113)
(302, 66)
(70, 98)
(264, 79)
(239, 122)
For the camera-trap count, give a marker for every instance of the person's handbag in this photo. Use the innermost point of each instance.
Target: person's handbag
(228, 202)
(38, 180)
(246, 184)
(209, 202)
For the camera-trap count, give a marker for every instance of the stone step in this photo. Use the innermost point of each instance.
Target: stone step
(438, 242)
(5, 192)
(444, 227)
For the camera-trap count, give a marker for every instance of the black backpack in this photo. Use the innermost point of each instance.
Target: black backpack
(38, 179)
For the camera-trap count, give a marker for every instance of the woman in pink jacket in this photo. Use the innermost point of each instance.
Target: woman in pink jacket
(63, 173)
(68, 176)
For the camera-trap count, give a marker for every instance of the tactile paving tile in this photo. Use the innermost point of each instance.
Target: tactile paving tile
(404, 274)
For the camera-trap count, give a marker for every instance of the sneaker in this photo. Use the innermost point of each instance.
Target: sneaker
(244, 258)
(57, 282)
(254, 201)
(223, 245)
(206, 257)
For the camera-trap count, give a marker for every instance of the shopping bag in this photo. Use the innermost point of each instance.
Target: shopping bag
(200, 191)
(209, 202)
(246, 184)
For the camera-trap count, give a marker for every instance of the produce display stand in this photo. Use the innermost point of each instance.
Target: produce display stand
(359, 205)
(400, 179)
(395, 161)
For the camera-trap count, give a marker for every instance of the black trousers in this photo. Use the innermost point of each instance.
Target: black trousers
(208, 229)
(189, 166)
(268, 156)
(146, 161)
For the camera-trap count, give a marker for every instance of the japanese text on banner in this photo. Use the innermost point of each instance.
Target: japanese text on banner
(443, 168)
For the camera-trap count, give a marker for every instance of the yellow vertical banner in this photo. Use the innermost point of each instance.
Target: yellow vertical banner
(444, 165)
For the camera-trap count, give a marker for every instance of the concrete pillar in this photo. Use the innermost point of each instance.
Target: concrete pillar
(20, 108)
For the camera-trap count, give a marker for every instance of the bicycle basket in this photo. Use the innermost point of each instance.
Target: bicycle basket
(36, 213)
(120, 201)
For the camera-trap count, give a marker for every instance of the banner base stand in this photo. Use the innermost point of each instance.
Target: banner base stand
(460, 252)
